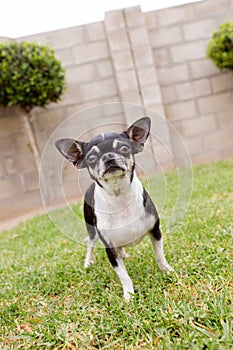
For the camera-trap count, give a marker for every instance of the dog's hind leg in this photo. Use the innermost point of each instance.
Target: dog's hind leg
(123, 253)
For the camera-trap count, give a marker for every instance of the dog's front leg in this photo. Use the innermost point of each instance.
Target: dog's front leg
(90, 249)
(157, 242)
(117, 263)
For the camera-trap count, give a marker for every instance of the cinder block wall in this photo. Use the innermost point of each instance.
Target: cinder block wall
(197, 97)
(155, 59)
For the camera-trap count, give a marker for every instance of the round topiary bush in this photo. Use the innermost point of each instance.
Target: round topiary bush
(30, 75)
(220, 47)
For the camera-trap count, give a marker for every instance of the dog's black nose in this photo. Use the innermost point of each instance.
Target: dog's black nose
(107, 157)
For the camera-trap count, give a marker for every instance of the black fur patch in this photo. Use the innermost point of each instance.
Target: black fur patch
(149, 205)
(156, 231)
(89, 212)
(112, 256)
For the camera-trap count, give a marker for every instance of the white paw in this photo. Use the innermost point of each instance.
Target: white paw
(124, 254)
(165, 267)
(127, 295)
(87, 263)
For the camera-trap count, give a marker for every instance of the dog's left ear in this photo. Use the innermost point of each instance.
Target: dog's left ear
(138, 133)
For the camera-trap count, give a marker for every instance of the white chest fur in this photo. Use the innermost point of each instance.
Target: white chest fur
(121, 218)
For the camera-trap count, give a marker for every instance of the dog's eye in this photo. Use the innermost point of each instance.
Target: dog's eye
(124, 148)
(92, 158)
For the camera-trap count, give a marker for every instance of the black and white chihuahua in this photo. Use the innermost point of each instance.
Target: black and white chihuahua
(117, 209)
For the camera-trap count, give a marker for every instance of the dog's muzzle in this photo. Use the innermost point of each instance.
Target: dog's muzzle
(112, 164)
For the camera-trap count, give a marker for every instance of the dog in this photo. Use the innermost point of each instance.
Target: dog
(117, 209)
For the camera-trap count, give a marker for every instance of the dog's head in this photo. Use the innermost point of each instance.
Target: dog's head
(110, 155)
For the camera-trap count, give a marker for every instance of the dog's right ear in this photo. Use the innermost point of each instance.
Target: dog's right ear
(72, 150)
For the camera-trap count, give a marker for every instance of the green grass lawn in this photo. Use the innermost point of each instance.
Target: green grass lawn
(49, 301)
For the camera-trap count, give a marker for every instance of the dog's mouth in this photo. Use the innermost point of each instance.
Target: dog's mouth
(114, 168)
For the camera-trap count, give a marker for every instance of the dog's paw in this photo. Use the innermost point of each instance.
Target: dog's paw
(165, 267)
(88, 263)
(128, 295)
(123, 253)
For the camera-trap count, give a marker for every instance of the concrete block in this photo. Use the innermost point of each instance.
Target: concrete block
(215, 103)
(41, 38)
(174, 15)
(203, 68)
(81, 73)
(218, 140)
(122, 60)
(71, 191)
(197, 126)
(151, 20)
(134, 17)
(131, 96)
(223, 82)
(72, 95)
(194, 145)
(209, 8)
(174, 74)
(157, 108)
(114, 20)
(90, 52)
(143, 56)
(66, 37)
(10, 185)
(50, 118)
(206, 157)
(127, 80)
(165, 36)
(162, 154)
(104, 68)
(181, 110)
(199, 29)
(31, 180)
(225, 119)
(188, 51)
(65, 56)
(168, 94)
(19, 204)
(25, 163)
(118, 40)
(10, 121)
(227, 153)
(95, 31)
(147, 76)
(151, 95)
(7, 145)
(10, 165)
(190, 90)
(96, 90)
(161, 57)
(138, 36)
(73, 109)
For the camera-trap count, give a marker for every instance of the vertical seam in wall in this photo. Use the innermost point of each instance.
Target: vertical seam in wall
(114, 72)
(133, 58)
(138, 83)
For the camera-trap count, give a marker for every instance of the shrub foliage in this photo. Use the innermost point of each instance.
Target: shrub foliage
(220, 47)
(30, 75)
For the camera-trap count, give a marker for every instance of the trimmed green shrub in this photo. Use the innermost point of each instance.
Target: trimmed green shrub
(30, 75)
(220, 47)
